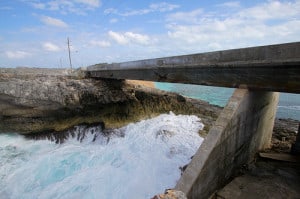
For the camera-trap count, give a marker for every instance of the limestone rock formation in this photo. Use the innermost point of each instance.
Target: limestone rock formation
(171, 194)
(45, 100)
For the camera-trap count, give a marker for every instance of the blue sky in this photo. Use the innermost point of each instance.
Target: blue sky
(34, 32)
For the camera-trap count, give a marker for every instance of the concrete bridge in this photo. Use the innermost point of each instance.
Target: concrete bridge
(245, 125)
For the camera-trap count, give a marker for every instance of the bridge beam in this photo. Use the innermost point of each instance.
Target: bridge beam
(269, 68)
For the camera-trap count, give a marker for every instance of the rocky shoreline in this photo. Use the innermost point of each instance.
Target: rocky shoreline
(40, 102)
(36, 101)
(284, 135)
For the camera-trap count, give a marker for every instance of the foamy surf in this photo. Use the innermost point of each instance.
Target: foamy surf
(136, 161)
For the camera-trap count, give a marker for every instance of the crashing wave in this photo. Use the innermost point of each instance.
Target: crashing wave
(136, 161)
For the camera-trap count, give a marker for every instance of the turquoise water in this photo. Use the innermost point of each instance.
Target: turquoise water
(139, 160)
(288, 107)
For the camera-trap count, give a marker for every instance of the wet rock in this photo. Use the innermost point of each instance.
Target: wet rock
(95, 132)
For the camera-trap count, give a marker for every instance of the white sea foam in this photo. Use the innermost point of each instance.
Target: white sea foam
(297, 108)
(142, 162)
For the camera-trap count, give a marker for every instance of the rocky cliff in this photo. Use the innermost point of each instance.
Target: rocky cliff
(46, 100)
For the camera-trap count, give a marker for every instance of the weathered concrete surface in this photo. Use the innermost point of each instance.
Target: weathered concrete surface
(266, 179)
(45, 100)
(243, 127)
(269, 68)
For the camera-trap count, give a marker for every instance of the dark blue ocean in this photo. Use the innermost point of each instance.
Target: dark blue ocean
(288, 107)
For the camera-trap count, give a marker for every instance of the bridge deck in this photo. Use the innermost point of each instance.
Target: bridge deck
(269, 68)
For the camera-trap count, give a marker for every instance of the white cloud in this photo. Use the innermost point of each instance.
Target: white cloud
(157, 7)
(17, 54)
(53, 22)
(193, 16)
(137, 38)
(231, 4)
(110, 11)
(57, 5)
(265, 23)
(48, 46)
(39, 5)
(80, 7)
(129, 38)
(91, 3)
(102, 44)
(135, 12)
(118, 37)
(113, 20)
(163, 7)
(272, 10)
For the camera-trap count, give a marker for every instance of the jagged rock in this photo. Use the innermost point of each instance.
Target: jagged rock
(284, 135)
(44, 100)
(171, 194)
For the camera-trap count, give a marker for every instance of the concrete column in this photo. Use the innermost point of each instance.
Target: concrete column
(264, 107)
(244, 126)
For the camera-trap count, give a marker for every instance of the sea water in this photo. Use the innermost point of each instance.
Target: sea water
(288, 106)
(136, 161)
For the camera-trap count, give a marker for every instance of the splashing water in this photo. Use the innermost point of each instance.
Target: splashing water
(140, 162)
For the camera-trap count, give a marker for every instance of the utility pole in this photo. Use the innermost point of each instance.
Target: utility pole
(60, 61)
(69, 54)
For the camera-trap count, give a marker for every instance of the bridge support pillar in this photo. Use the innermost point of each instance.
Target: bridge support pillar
(244, 127)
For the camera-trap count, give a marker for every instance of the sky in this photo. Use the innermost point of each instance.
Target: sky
(33, 33)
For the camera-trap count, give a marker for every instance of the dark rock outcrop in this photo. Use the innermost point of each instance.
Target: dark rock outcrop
(284, 135)
(46, 100)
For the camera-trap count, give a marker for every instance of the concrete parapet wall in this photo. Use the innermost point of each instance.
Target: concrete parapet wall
(267, 68)
(243, 127)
